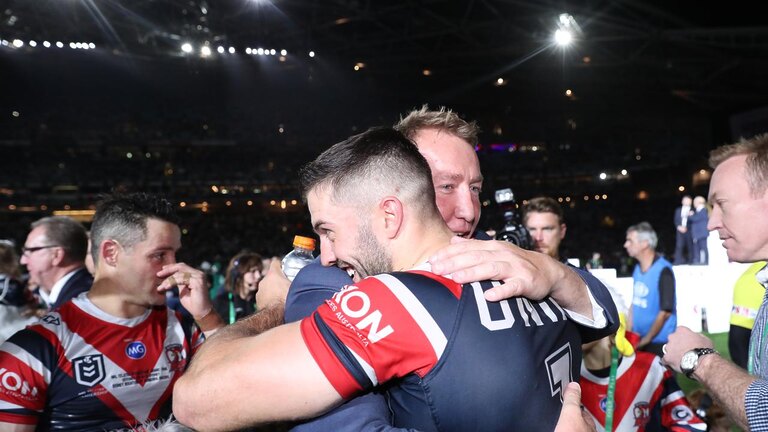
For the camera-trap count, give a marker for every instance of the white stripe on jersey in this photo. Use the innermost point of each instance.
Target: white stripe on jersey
(417, 311)
(9, 406)
(23, 356)
(548, 311)
(672, 397)
(366, 367)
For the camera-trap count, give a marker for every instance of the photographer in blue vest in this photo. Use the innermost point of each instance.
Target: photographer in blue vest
(653, 314)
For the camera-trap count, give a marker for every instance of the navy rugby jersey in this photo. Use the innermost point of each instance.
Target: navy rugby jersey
(450, 359)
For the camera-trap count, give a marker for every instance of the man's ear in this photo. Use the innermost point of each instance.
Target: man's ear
(392, 210)
(109, 250)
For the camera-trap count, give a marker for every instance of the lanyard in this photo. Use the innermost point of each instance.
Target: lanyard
(231, 309)
(750, 360)
(610, 404)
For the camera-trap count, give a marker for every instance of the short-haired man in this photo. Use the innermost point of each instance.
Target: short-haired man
(683, 239)
(54, 254)
(543, 218)
(653, 313)
(108, 359)
(446, 349)
(738, 193)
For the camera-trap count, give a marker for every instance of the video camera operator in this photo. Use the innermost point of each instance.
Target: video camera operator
(514, 231)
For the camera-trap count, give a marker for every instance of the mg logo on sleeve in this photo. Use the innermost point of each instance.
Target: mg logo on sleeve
(89, 370)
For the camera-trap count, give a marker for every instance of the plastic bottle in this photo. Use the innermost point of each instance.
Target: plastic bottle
(300, 256)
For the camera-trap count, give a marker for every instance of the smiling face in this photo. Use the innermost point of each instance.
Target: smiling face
(738, 217)
(345, 240)
(456, 177)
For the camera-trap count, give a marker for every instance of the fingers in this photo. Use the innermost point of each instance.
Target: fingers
(179, 275)
(511, 288)
(572, 395)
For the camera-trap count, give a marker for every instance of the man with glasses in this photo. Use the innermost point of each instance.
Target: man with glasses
(54, 254)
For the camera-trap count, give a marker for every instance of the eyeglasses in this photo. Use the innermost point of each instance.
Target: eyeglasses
(30, 250)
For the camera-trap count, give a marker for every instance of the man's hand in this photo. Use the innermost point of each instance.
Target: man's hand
(529, 274)
(680, 342)
(682, 229)
(193, 294)
(572, 417)
(273, 288)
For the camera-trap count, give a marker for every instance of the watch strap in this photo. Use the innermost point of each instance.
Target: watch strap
(700, 352)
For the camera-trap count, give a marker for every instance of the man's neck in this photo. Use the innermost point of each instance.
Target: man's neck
(58, 273)
(646, 260)
(108, 297)
(417, 246)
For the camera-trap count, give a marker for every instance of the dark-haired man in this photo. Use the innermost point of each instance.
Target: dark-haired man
(108, 358)
(447, 352)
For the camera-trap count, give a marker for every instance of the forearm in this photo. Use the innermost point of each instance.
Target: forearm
(727, 383)
(255, 324)
(570, 291)
(274, 369)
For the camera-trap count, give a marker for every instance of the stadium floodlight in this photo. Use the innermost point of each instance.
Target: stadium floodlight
(312, 54)
(72, 45)
(205, 51)
(32, 43)
(46, 44)
(186, 47)
(248, 50)
(260, 51)
(567, 29)
(59, 44)
(220, 49)
(283, 52)
(18, 43)
(92, 45)
(272, 51)
(231, 50)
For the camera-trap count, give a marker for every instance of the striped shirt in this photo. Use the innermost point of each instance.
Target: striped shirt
(756, 399)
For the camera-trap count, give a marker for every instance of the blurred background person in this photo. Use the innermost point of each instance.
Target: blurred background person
(697, 223)
(683, 241)
(543, 218)
(54, 254)
(748, 293)
(653, 314)
(243, 275)
(15, 298)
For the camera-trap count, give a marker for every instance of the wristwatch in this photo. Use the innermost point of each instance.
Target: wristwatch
(690, 360)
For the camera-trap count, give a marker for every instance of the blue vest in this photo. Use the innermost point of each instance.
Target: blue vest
(645, 301)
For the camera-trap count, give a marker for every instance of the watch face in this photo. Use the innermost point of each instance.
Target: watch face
(688, 360)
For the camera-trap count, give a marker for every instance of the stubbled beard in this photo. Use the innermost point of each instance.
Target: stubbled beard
(373, 258)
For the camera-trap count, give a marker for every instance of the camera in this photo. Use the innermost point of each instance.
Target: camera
(513, 231)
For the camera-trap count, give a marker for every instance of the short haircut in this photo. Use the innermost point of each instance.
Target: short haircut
(645, 232)
(366, 167)
(756, 150)
(543, 205)
(442, 119)
(238, 265)
(124, 218)
(65, 232)
(9, 260)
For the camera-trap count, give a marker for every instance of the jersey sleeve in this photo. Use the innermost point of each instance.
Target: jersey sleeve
(372, 332)
(25, 373)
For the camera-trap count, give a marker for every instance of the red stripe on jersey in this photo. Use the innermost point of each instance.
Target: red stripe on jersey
(21, 385)
(380, 328)
(18, 419)
(329, 363)
(110, 339)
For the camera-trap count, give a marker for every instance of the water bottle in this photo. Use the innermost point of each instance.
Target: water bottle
(300, 256)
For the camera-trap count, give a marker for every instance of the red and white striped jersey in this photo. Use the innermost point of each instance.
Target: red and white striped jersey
(647, 397)
(81, 369)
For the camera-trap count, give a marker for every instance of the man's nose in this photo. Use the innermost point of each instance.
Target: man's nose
(327, 257)
(714, 220)
(465, 208)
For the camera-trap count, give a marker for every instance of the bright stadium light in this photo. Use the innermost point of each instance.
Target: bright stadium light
(220, 49)
(186, 47)
(312, 54)
(92, 45)
(248, 50)
(59, 44)
(46, 44)
(260, 51)
(18, 43)
(205, 51)
(272, 51)
(567, 30)
(563, 37)
(32, 43)
(283, 52)
(231, 50)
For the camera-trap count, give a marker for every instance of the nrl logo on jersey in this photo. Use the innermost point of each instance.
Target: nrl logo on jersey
(89, 370)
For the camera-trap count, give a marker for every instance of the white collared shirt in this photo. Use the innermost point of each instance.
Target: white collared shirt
(56, 289)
